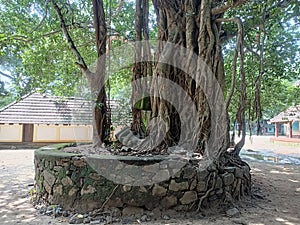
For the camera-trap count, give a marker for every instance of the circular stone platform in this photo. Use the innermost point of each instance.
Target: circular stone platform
(68, 180)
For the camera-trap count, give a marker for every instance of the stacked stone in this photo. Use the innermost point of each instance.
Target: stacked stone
(69, 180)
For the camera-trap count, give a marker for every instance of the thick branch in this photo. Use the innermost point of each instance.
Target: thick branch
(223, 8)
(100, 27)
(80, 61)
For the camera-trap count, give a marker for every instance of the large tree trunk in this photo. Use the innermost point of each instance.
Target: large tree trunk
(190, 24)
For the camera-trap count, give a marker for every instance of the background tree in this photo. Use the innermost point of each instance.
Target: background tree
(271, 57)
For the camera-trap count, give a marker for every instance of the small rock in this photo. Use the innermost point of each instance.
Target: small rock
(57, 211)
(67, 181)
(202, 174)
(219, 191)
(242, 222)
(201, 186)
(159, 191)
(232, 212)
(127, 188)
(127, 221)
(174, 186)
(109, 219)
(116, 212)
(193, 184)
(96, 221)
(145, 218)
(189, 173)
(166, 217)
(125, 149)
(189, 197)
(168, 202)
(65, 213)
(132, 211)
(239, 173)
(88, 190)
(86, 220)
(49, 212)
(79, 163)
(42, 210)
(76, 219)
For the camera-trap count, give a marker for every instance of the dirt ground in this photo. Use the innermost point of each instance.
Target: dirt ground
(277, 192)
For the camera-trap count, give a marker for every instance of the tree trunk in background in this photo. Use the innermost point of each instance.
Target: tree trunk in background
(140, 69)
(101, 125)
(97, 80)
(188, 23)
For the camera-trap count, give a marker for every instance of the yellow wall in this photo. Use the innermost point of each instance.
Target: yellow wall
(11, 133)
(60, 133)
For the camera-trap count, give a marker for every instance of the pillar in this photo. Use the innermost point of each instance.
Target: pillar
(291, 129)
(276, 130)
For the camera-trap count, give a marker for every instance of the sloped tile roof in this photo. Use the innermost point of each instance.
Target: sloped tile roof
(291, 114)
(39, 108)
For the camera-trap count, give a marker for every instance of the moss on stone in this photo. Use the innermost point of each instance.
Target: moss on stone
(84, 172)
(62, 173)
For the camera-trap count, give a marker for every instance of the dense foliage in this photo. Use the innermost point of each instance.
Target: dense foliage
(34, 54)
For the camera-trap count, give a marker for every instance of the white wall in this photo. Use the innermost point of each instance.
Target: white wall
(11, 133)
(60, 133)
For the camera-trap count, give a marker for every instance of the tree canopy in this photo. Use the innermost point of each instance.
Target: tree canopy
(34, 53)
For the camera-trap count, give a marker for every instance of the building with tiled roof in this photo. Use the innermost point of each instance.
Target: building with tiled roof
(44, 118)
(291, 120)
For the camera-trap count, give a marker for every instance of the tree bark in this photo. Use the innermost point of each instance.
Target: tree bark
(189, 24)
(141, 68)
(96, 80)
(97, 83)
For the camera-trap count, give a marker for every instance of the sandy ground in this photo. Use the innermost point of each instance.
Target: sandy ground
(277, 184)
(263, 143)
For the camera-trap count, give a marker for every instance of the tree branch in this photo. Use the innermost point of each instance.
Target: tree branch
(6, 75)
(239, 46)
(100, 27)
(252, 51)
(43, 19)
(227, 5)
(80, 61)
(239, 51)
(221, 9)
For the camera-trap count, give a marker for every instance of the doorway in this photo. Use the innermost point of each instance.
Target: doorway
(27, 132)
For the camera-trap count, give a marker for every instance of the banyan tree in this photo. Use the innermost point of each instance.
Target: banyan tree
(178, 78)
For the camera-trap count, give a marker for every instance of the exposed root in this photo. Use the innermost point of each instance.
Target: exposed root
(109, 197)
(208, 191)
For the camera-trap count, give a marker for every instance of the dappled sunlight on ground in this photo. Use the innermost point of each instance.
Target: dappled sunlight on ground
(277, 201)
(16, 175)
(279, 183)
(264, 143)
